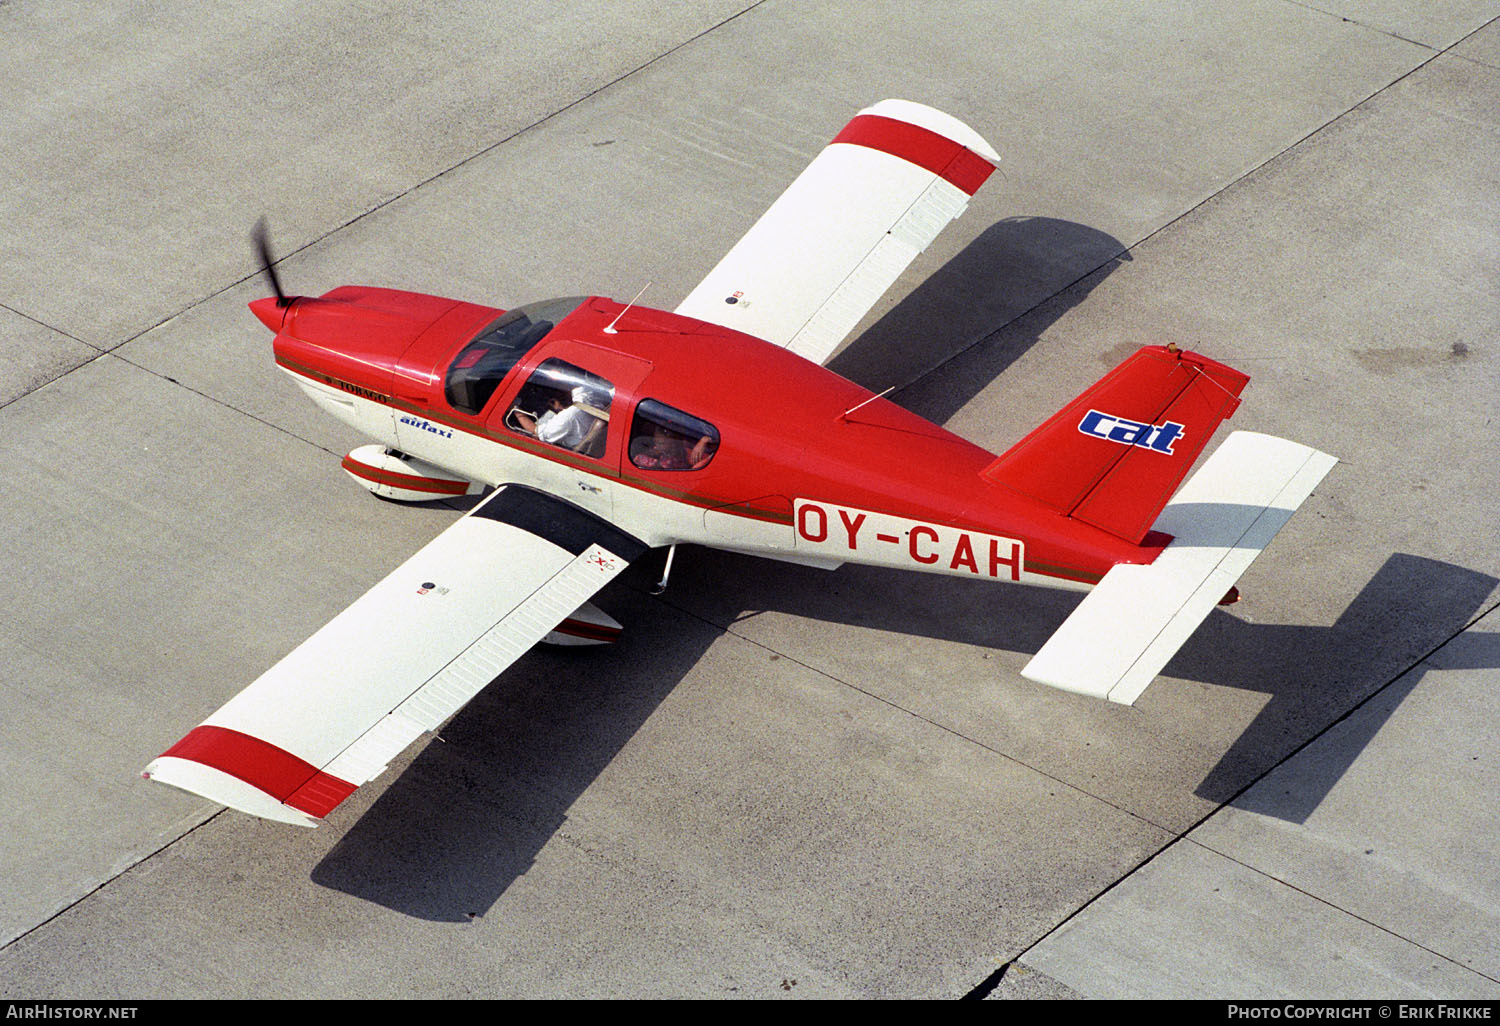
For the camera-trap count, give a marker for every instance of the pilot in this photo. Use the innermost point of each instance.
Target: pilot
(578, 427)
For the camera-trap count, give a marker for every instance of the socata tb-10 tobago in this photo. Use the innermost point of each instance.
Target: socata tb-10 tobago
(608, 429)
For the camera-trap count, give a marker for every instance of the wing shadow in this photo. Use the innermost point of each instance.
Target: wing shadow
(458, 825)
(966, 312)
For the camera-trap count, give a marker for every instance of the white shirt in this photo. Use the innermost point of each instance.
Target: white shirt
(567, 428)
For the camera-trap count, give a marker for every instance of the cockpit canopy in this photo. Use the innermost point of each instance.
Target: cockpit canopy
(483, 363)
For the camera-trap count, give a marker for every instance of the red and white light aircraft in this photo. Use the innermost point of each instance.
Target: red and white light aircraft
(609, 429)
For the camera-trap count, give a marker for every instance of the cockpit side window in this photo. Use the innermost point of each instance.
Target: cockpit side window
(565, 406)
(483, 363)
(664, 438)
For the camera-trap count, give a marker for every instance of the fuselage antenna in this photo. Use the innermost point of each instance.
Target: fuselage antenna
(867, 402)
(611, 329)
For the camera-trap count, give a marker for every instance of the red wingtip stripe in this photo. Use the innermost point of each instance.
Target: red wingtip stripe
(320, 795)
(920, 146)
(260, 764)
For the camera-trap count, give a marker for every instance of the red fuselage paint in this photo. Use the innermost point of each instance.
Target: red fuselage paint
(784, 421)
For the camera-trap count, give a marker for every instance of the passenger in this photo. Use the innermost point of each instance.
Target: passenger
(667, 450)
(532, 425)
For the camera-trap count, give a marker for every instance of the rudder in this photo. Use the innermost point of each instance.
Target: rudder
(1114, 456)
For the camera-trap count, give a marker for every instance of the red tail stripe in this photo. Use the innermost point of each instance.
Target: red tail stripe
(260, 764)
(920, 146)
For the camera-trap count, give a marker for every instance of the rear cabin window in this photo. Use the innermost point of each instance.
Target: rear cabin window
(663, 438)
(482, 364)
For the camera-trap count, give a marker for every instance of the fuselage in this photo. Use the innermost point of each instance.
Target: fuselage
(790, 461)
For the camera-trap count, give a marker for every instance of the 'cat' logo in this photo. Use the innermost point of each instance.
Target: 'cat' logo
(1156, 437)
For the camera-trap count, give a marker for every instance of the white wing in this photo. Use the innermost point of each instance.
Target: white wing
(842, 233)
(400, 660)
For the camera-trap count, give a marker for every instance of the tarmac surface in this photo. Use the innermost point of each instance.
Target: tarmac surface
(783, 782)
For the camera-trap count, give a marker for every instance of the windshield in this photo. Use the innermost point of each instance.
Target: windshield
(482, 364)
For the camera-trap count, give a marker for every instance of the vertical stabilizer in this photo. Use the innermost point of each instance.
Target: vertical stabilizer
(1114, 456)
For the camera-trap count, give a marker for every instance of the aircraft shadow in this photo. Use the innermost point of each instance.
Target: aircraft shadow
(466, 818)
(455, 828)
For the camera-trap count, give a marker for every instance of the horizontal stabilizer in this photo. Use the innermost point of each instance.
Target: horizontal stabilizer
(1133, 622)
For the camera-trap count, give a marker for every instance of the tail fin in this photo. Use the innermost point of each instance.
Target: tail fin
(1113, 456)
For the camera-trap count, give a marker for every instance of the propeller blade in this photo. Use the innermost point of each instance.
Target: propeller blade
(263, 250)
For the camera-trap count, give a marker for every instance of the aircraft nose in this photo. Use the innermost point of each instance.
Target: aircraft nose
(271, 311)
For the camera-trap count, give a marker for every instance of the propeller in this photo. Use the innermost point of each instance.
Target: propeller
(263, 250)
